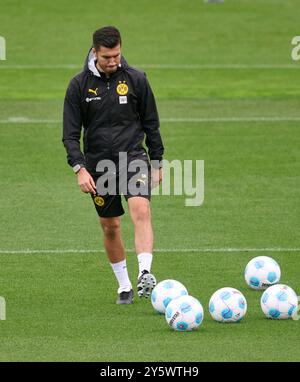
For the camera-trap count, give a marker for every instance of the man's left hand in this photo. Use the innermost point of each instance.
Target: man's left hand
(156, 177)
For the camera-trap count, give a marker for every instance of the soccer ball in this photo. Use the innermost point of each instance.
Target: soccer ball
(279, 302)
(184, 313)
(166, 291)
(227, 305)
(262, 272)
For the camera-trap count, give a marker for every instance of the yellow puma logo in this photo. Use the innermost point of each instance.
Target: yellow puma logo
(93, 91)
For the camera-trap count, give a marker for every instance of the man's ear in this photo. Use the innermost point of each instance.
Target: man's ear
(94, 51)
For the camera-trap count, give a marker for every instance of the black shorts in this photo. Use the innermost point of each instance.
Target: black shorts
(127, 182)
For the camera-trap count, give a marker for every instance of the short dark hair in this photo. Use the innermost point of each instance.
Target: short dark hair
(109, 37)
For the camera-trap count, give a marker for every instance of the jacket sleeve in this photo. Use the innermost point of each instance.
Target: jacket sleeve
(150, 121)
(72, 125)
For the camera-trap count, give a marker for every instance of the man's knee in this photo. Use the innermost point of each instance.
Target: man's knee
(141, 212)
(110, 227)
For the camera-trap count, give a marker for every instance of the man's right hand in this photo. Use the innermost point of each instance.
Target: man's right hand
(86, 182)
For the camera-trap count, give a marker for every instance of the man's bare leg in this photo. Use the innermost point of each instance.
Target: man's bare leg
(140, 213)
(116, 253)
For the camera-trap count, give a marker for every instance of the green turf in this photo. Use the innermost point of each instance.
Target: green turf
(60, 306)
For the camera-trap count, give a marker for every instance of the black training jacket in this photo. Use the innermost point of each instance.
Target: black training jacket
(116, 114)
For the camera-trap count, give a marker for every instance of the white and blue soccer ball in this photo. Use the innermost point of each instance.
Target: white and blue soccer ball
(279, 302)
(164, 292)
(184, 313)
(227, 305)
(262, 272)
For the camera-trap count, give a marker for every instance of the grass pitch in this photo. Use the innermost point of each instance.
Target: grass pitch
(227, 93)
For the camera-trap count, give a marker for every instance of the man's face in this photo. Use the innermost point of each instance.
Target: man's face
(108, 59)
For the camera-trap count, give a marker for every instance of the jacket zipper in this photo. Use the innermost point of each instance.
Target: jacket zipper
(109, 112)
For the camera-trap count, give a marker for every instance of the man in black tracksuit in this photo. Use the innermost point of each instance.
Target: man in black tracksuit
(116, 107)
